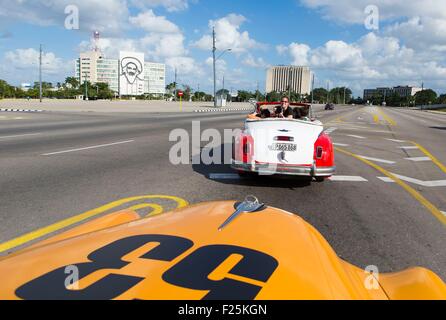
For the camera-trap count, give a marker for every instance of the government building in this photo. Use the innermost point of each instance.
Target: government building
(281, 78)
(128, 75)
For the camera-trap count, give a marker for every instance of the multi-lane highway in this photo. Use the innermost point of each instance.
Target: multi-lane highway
(385, 206)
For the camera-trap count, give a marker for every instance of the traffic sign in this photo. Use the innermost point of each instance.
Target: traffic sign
(180, 93)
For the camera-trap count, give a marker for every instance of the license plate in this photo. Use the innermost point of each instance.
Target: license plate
(283, 147)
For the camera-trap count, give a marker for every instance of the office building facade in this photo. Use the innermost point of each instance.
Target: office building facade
(402, 91)
(140, 76)
(284, 78)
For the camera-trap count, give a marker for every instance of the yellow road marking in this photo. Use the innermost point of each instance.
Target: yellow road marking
(386, 117)
(181, 203)
(376, 118)
(339, 119)
(157, 209)
(434, 160)
(426, 203)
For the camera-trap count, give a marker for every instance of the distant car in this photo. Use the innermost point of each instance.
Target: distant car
(329, 106)
(282, 146)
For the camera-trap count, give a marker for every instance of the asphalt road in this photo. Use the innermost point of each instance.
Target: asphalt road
(58, 165)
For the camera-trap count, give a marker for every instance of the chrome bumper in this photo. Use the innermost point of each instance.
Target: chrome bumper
(271, 169)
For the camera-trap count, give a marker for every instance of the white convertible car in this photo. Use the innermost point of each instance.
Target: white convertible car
(283, 146)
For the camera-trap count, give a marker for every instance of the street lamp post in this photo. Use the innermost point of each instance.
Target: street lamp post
(214, 50)
(312, 90)
(40, 74)
(86, 88)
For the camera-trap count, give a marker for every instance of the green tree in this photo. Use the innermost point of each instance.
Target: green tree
(199, 96)
(244, 96)
(273, 96)
(73, 82)
(426, 97)
(394, 100)
(320, 95)
(441, 99)
(337, 95)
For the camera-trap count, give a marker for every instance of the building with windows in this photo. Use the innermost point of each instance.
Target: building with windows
(94, 67)
(403, 91)
(283, 78)
(155, 76)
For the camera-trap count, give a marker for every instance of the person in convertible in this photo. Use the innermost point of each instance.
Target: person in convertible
(284, 110)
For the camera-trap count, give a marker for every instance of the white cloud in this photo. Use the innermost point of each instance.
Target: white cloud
(372, 60)
(22, 59)
(220, 65)
(281, 49)
(170, 5)
(108, 16)
(228, 35)
(111, 17)
(299, 52)
(253, 62)
(22, 65)
(149, 22)
(352, 11)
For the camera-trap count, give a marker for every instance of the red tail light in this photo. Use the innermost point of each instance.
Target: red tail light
(284, 138)
(244, 148)
(323, 151)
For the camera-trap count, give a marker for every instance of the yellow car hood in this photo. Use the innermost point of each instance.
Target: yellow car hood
(270, 254)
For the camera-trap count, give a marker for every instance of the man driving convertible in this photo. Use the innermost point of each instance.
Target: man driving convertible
(284, 110)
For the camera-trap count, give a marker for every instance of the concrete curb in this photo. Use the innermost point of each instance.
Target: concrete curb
(19, 110)
(223, 110)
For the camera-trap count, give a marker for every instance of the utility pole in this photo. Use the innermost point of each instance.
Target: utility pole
(86, 89)
(312, 90)
(257, 92)
(214, 49)
(344, 94)
(40, 74)
(175, 85)
(328, 90)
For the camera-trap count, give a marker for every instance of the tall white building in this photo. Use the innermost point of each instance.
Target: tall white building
(281, 78)
(93, 67)
(155, 76)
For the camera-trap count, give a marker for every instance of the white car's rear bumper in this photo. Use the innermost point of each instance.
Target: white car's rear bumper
(285, 169)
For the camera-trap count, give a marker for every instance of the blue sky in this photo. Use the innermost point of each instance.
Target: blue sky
(330, 36)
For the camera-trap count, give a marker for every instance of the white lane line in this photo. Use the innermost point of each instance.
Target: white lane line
(330, 130)
(395, 140)
(430, 184)
(377, 160)
(419, 159)
(20, 135)
(355, 136)
(224, 176)
(409, 148)
(340, 144)
(443, 212)
(87, 148)
(348, 178)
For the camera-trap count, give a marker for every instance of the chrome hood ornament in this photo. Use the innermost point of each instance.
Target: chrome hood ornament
(251, 204)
